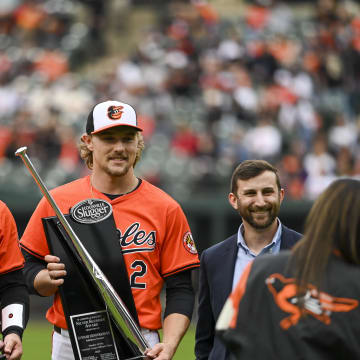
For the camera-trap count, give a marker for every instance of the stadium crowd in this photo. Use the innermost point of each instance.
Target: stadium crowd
(267, 82)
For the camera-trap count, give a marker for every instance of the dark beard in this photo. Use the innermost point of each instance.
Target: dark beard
(249, 219)
(273, 212)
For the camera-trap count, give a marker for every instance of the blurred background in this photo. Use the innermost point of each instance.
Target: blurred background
(213, 83)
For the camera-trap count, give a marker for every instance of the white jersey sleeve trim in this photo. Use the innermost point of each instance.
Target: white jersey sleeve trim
(12, 315)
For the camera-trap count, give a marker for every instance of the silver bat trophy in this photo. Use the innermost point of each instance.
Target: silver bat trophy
(118, 311)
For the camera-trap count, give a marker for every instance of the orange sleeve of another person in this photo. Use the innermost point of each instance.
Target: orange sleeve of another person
(238, 293)
(10, 255)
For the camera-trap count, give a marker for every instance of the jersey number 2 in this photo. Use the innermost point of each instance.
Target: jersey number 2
(141, 270)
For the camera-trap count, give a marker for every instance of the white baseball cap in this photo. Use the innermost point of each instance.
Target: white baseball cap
(108, 114)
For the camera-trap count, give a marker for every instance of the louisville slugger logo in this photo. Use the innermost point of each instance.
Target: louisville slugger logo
(136, 240)
(115, 112)
(318, 304)
(91, 211)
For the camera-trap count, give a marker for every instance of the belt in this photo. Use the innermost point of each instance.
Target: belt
(57, 329)
(60, 331)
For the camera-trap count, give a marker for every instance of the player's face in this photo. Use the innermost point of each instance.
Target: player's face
(114, 150)
(258, 200)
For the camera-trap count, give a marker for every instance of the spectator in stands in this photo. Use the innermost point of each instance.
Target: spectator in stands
(219, 73)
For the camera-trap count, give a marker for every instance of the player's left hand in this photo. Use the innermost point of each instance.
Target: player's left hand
(161, 351)
(12, 347)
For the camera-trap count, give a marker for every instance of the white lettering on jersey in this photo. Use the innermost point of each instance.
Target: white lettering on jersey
(135, 240)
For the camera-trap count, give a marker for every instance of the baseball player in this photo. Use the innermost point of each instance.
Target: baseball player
(13, 293)
(154, 234)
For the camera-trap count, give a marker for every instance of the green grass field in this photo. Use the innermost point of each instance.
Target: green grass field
(37, 342)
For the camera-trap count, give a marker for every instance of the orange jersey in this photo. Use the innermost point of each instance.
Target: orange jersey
(154, 234)
(11, 258)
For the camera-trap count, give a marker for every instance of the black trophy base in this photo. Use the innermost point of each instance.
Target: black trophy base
(93, 333)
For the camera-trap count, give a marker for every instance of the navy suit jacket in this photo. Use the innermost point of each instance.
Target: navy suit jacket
(217, 265)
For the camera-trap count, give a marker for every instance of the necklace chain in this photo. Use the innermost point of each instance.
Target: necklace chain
(91, 189)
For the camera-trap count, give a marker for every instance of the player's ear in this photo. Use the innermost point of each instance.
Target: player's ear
(281, 195)
(87, 140)
(233, 200)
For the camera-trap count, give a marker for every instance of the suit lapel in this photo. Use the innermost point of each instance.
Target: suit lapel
(227, 265)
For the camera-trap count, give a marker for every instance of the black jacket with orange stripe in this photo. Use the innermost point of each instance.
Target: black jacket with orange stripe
(268, 323)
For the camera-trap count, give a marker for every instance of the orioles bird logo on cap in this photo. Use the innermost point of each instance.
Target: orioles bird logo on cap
(115, 112)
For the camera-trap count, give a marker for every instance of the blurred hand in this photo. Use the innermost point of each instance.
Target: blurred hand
(56, 269)
(47, 281)
(12, 347)
(161, 351)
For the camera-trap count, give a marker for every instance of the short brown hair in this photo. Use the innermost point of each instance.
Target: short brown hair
(87, 155)
(249, 169)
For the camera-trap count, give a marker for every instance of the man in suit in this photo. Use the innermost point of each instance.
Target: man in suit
(256, 194)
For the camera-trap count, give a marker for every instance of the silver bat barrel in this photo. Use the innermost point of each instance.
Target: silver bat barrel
(118, 311)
